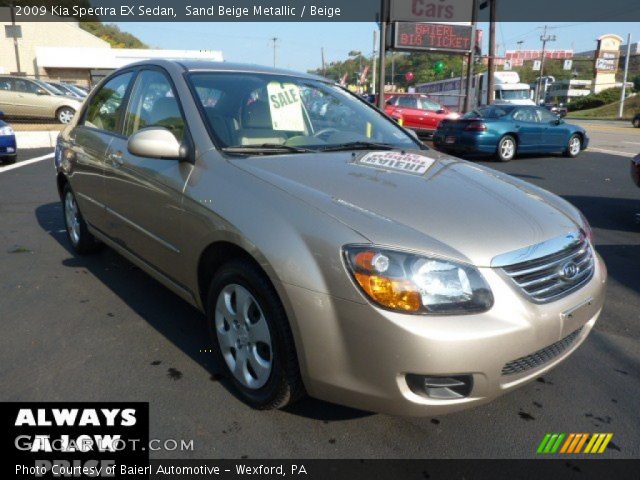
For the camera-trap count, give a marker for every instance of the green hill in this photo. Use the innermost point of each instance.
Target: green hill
(112, 34)
(631, 107)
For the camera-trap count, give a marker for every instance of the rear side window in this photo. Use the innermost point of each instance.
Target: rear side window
(106, 105)
(408, 102)
(153, 104)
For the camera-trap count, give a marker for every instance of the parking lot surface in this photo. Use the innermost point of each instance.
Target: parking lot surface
(96, 328)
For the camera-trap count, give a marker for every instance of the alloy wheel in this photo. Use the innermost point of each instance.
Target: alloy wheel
(71, 216)
(507, 149)
(65, 115)
(243, 336)
(574, 146)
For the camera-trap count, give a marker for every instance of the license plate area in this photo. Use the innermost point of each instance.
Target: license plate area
(450, 140)
(577, 316)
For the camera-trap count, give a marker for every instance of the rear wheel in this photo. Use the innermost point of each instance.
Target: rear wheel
(65, 114)
(79, 236)
(507, 148)
(251, 336)
(574, 147)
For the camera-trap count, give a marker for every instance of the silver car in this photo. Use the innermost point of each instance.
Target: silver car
(335, 257)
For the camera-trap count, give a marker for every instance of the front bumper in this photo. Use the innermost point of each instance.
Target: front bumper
(358, 355)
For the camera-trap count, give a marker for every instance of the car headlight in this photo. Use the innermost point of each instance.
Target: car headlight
(417, 284)
(7, 130)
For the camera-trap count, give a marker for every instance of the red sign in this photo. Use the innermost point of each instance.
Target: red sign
(433, 36)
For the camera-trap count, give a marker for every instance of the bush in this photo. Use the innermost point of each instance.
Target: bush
(595, 100)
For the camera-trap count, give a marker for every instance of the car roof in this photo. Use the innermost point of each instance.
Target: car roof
(191, 65)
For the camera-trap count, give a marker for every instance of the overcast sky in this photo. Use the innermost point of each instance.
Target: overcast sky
(299, 44)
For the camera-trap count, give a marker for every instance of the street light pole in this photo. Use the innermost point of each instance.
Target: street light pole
(544, 38)
(373, 63)
(274, 40)
(624, 78)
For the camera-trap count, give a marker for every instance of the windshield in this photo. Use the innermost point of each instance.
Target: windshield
(426, 104)
(514, 94)
(252, 110)
(49, 88)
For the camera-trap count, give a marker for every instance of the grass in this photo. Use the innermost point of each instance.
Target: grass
(610, 111)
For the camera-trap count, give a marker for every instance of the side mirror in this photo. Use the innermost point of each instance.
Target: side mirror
(41, 91)
(156, 142)
(558, 121)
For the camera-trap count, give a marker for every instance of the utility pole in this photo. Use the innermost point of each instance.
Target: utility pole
(474, 20)
(373, 63)
(274, 40)
(384, 15)
(544, 38)
(492, 51)
(324, 69)
(624, 78)
(15, 37)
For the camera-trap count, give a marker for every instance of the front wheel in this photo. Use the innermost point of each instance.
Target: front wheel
(65, 114)
(507, 148)
(251, 336)
(8, 159)
(574, 146)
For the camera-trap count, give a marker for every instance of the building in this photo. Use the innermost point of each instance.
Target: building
(89, 65)
(62, 51)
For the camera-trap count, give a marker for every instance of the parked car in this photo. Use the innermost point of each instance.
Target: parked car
(635, 170)
(348, 261)
(66, 89)
(508, 130)
(417, 112)
(32, 98)
(8, 147)
(636, 121)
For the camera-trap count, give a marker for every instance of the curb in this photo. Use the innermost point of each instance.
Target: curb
(39, 139)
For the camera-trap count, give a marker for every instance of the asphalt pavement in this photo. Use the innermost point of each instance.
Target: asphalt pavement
(96, 328)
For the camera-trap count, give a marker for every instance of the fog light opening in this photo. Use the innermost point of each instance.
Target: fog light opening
(441, 388)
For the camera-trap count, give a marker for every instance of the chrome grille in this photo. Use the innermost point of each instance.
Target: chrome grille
(540, 357)
(553, 276)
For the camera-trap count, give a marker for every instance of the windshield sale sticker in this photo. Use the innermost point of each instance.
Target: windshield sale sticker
(398, 161)
(285, 105)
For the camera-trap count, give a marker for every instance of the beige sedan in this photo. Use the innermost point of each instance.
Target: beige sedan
(30, 98)
(332, 253)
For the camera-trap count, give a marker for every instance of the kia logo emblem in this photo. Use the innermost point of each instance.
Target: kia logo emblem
(569, 270)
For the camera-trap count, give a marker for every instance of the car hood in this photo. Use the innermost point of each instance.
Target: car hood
(444, 206)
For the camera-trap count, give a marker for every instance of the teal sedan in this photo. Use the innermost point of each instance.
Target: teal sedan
(505, 131)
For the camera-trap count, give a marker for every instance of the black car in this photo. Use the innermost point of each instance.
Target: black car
(636, 121)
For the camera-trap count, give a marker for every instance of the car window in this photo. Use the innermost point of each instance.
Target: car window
(153, 104)
(408, 102)
(251, 109)
(105, 108)
(25, 86)
(525, 115)
(426, 104)
(545, 116)
(6, 84)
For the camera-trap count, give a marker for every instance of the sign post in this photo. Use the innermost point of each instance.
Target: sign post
(384, 18)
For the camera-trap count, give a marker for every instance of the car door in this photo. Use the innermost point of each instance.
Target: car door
(90, 139)
(145, 194)
(528, 129)
(8, 97)
(555, 134)
(34, 100)
(407, 109)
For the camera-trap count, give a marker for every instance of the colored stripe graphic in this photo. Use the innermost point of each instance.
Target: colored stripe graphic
(573, 443)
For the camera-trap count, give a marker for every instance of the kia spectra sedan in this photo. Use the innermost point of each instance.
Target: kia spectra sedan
(333, 254)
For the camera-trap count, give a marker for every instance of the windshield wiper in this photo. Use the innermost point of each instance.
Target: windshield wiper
(358, 146)
(265, 148)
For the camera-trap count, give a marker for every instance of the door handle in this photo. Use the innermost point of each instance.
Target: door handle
(116, 158)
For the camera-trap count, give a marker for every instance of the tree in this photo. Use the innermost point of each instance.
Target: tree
(112, 34)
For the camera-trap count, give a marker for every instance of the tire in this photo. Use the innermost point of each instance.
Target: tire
(81, 240)
(267, 375)
(64, 115)
(636, 122)
(8, 160)
(507, 148)
(573, 147)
